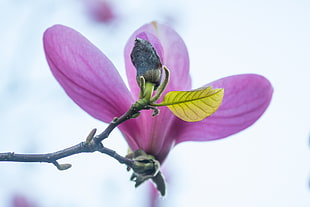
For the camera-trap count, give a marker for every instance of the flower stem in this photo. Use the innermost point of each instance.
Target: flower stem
(135, 108)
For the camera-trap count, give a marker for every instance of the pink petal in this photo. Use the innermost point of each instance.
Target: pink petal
(154, 136)
(172, 51)
(86, 74)
(246, 97)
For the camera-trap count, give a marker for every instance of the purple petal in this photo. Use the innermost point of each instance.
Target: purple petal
(246, 97)
(155, 136)
(85, 73)
(171, 50)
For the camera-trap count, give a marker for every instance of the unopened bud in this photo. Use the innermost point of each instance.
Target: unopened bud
(64, 166)
(146, 61)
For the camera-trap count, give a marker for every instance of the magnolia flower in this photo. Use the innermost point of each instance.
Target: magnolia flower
(93, 82)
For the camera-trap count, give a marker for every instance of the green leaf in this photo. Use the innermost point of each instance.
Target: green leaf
(195, 105)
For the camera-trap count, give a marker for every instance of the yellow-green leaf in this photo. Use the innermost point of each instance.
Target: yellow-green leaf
(193, 105)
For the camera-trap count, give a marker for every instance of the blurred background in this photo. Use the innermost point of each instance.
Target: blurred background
(265, 165)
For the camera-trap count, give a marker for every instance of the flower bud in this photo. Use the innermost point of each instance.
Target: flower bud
(146, 61)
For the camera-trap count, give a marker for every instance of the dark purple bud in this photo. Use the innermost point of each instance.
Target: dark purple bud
(146, 61)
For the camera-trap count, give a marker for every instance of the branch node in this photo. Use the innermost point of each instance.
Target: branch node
(114, 120)
(154, 108)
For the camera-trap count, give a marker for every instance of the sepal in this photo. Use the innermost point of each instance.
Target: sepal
(146, 167)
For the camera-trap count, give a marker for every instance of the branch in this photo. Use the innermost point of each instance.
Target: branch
(94, 144)
(84, 147)
(144, 166)
(133, 112)
(116, 121)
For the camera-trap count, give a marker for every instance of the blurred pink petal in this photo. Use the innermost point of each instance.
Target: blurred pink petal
(101, 10)
(245, 100)
(19, 200)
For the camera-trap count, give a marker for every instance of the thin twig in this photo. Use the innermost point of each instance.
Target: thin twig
(92, 144)
(83, 147)
(117, 121)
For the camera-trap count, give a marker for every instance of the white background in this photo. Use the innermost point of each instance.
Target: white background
(265, 165)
